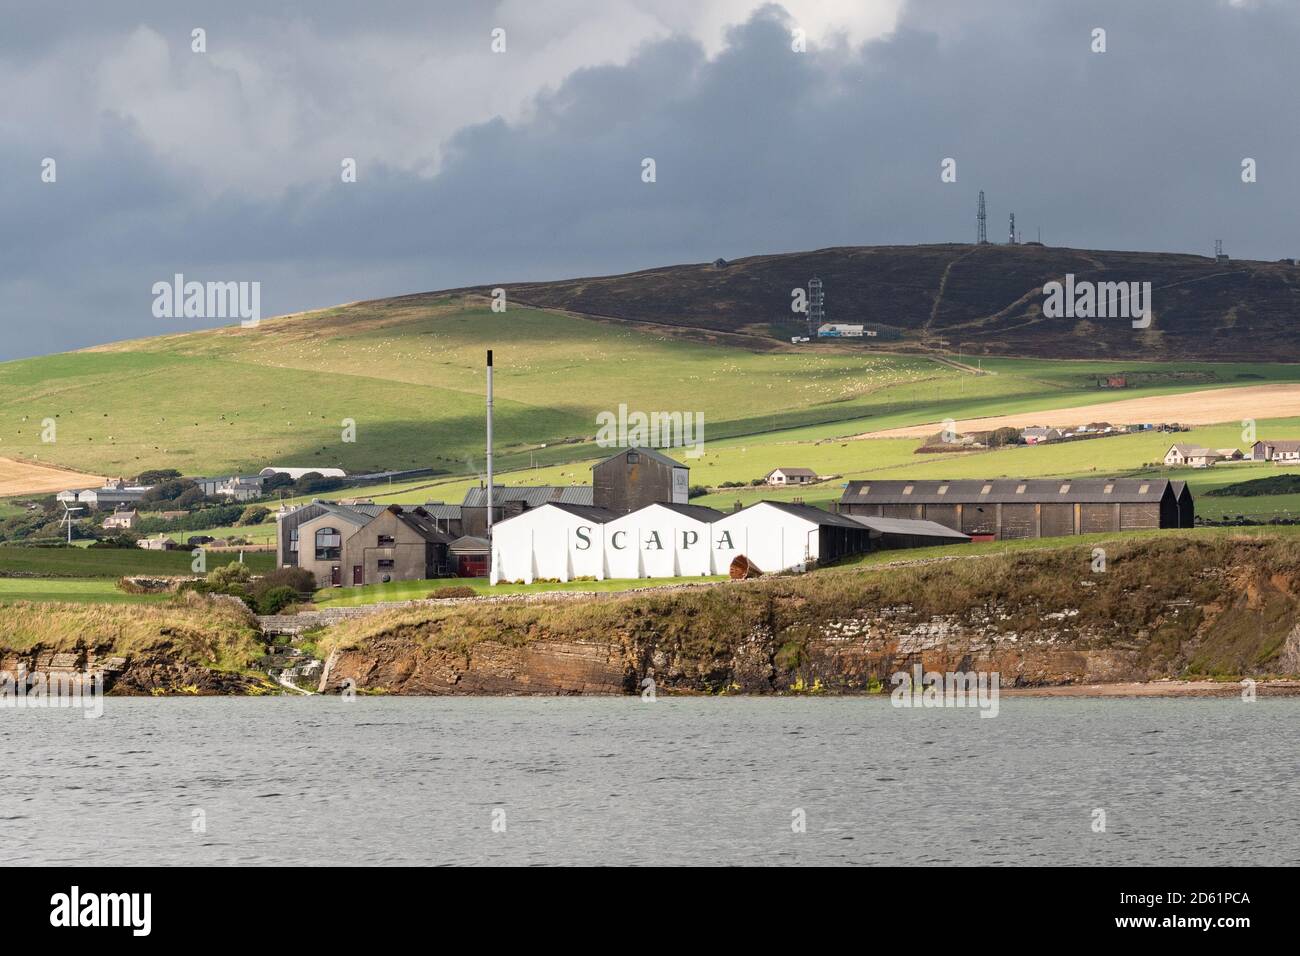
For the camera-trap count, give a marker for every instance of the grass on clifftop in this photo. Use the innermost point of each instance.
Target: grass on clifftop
(214, 633)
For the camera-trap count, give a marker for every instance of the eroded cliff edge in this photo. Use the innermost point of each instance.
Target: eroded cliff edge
(1177, 606)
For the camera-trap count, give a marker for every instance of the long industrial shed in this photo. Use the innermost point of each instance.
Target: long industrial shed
(1005, 508)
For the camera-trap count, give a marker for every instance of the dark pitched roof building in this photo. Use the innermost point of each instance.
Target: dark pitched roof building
(1026, 508)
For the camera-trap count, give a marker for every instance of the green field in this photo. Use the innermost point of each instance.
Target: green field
(112, 562)
(71, 590)
(409, 374)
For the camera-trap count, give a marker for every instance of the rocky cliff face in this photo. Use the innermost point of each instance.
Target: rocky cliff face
(1176, 606)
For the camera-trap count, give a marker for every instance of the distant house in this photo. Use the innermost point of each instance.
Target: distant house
(122, 520)
(1229, 454)
(112, 495)
(1287, 450)
(159, 543)
(1202, 458)
(1116, 381)
(1104, 428)
(1182, 454)
(241, 487)
(1038, 434)
(791, 476)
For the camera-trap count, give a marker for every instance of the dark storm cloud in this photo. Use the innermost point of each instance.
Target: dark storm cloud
(758, 149)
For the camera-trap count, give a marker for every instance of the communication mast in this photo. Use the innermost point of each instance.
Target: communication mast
(982, 237)
(816, 306)
(1011, 236)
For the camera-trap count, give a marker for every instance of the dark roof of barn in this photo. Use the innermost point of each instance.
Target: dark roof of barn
(648, 452)
(909, 526)
(1006, 491)
(470, 543)
(698, 512)
(532, 496)
(808, 513)
(596, 515)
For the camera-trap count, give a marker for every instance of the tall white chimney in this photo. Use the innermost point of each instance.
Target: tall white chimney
(489, 450)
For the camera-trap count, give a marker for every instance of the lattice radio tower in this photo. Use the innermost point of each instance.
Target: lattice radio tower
(816, 306)
(983, 234)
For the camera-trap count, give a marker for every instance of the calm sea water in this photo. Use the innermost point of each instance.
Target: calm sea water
(601, 781)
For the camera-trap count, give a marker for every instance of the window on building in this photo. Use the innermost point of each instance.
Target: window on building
(293, 539)
(385, 564)
(943, 489)
(633, 458)
(385, 540)
(329, 544)
(1065, 489)
(1020, 489)
(1108, 489)
(986, 489)
(907, 489)
(1144, 489)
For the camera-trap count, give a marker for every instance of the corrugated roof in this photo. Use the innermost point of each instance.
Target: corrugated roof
(469, 543)
(1005, 491)
(440, 510)
(359, 515)
(914, 526)
(532, 496)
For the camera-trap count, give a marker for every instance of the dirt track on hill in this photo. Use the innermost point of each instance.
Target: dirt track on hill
(26, 478)
(1206, 407)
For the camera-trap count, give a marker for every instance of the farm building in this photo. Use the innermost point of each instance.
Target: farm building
(1187, 455)
(1038, 434)
(1287, 450)
(1026, 508)
(636, 477)
(121, 520)
(1229, 454)
(790, 476)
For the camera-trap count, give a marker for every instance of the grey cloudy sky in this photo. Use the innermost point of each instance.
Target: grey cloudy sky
(478, 167)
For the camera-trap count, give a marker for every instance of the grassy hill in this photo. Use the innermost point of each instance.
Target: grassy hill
(409, 373)
(981, 299)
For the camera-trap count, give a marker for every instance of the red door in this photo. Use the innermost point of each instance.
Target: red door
(358, 576)
(336, 576)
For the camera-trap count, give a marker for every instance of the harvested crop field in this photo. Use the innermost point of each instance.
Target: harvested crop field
(26, 478)
(1206, 407)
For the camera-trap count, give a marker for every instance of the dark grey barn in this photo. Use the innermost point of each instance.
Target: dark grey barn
(1006, 508)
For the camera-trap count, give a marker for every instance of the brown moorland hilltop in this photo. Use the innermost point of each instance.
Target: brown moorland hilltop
(981, 299)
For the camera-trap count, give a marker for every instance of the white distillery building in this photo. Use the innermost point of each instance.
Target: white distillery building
(564, 541)
(660, 541)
